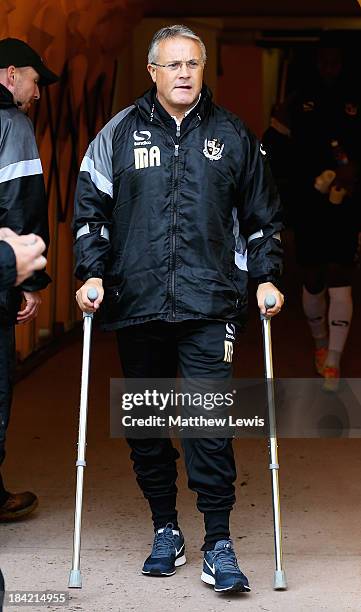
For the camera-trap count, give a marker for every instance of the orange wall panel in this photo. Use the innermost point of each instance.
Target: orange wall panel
(240, 84)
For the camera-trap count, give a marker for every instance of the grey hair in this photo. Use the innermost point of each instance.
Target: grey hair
(172, 32)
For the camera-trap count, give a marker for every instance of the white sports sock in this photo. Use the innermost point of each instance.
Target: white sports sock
(314, 307)
(339, 319)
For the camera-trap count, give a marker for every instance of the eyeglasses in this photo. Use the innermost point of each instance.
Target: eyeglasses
(193, 64)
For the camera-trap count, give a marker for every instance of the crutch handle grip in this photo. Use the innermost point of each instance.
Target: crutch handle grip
(269, 301)
(92, 294)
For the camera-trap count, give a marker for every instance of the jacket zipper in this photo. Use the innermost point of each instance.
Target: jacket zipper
(174, 228)
(174, 216)
(175, 198)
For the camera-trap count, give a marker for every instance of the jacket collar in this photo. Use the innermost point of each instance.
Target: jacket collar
(6, 97)
(147, 106)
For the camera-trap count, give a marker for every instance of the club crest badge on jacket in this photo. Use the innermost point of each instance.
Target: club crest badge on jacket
(213, 149)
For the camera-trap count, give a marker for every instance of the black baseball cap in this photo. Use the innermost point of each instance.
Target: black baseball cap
(15, 52)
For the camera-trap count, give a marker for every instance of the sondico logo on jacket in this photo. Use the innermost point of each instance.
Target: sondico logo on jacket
(228, 343)
(143, 157)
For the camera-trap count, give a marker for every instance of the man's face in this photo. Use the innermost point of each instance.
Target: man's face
(24, 86)
(178, 89)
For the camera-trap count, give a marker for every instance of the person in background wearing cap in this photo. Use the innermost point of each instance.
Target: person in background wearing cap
(23, 209)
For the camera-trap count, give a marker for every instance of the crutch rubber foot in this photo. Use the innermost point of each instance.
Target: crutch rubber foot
(74, 579)
(280, 582)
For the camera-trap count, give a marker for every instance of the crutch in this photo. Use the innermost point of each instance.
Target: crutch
(280, 582)
(75, 573)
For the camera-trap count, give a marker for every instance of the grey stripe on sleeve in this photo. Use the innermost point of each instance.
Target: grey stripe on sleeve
(98, 158)
(17, 141)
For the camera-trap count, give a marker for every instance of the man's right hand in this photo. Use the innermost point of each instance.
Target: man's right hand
(82, 295)
(28, 251)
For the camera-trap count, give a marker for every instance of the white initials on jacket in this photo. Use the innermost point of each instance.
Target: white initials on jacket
(146, 158)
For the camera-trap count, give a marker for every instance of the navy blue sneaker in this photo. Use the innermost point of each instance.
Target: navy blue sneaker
(168, 552)
(220, 569)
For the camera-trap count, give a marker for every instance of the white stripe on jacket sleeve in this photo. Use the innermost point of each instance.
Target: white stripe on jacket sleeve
(27, 167)
(99, 180)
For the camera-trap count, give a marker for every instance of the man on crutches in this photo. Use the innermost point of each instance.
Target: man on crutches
(175, 206)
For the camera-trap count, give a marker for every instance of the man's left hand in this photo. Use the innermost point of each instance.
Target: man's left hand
(269, 289)
(33, 301)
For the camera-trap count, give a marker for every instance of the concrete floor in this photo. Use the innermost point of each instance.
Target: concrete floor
(320, 488)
